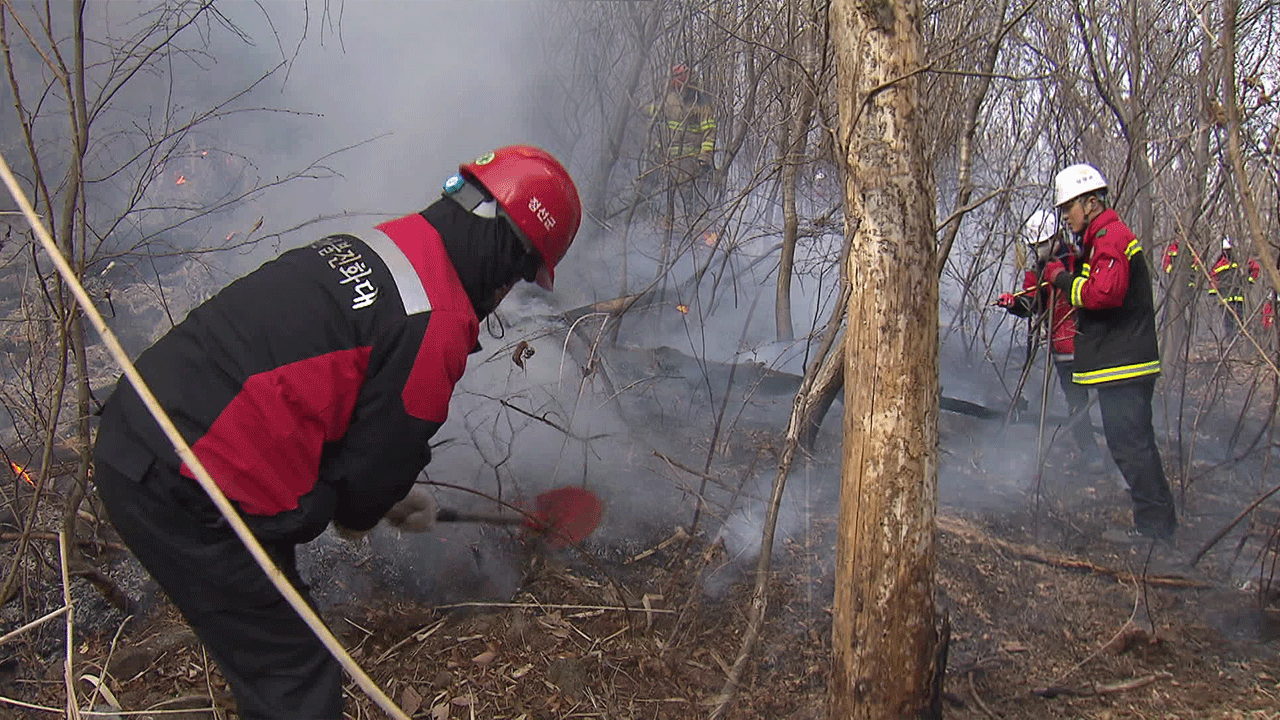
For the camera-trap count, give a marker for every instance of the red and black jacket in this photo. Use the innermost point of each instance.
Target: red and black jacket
(309, 388)
(1116, 316)
(1227, 279)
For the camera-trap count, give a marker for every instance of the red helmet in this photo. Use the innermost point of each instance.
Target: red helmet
(679, 75)
(536, 193)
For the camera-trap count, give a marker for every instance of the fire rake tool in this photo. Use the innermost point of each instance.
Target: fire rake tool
(564, 516)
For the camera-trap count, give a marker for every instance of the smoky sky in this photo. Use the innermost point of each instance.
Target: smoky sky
(435, 82)
(378, 100)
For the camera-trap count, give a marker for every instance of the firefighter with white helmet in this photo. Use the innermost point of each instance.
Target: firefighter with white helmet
(309, 389)
(1041, 236)
(1227, 283)
(1040, 228)
(1116, 348)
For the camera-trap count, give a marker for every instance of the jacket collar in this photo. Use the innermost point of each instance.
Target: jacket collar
(1104, 219)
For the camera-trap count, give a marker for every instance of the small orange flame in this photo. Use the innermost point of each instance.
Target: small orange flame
(19, 471)
(710, 237)
(182, 180)
(684, 309)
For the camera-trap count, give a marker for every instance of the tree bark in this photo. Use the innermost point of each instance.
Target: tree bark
(885, 630)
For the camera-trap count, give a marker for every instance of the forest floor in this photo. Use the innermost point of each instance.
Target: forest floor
(1047, 619)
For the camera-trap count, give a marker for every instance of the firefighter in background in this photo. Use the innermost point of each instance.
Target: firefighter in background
(1045, 242)
(1116, 347)
(309, 388)
(1171, 256)
(1227, 283)
(683, 151)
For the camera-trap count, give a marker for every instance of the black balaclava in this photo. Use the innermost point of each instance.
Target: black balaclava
(486, 252)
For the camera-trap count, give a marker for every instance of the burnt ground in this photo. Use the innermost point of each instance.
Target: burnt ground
(1047, 619)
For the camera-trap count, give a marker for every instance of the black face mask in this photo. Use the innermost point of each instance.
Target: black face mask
(486, 252)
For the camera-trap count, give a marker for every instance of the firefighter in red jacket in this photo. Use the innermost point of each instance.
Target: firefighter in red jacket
(1116, 348)
(1227, 282)
(1046, 243)
(1171, 256)
(309, 389)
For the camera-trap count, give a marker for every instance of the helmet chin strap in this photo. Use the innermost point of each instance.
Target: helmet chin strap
(476, 201)
(471, 197)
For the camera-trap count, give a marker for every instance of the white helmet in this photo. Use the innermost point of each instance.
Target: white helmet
(1039, 227)
(1075, 181)
(1226, 242)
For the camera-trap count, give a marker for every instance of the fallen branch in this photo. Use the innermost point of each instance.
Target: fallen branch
(962, 529)
(1096, 689)
(34, 623)
(52, 537)
(1208, 545)
(614, 306)
(977, 699)
(540, 606)
(706, 477)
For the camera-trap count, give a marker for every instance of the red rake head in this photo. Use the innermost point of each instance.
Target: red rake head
(566, 515)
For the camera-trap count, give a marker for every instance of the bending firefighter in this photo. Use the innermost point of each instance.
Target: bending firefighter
(1116, 350)
(309, 389)
(1046, 243)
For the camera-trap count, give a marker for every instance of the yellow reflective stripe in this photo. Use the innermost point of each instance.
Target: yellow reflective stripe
(708, 145)
(1077, 286)
(1124, 372)
(693, 126)
(1133, 249)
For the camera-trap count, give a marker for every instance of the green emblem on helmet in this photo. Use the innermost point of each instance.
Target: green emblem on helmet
(485, 159)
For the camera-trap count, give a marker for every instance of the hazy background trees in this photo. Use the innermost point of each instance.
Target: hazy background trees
(153, 135)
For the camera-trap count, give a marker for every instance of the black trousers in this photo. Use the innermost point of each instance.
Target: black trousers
(1126, 423)
(275, 664)
(1077, 405)
(1229, 324)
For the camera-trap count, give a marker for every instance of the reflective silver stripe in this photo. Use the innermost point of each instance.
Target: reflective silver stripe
(412, 293)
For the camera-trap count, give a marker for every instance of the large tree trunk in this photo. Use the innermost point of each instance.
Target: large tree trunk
(885, 635)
